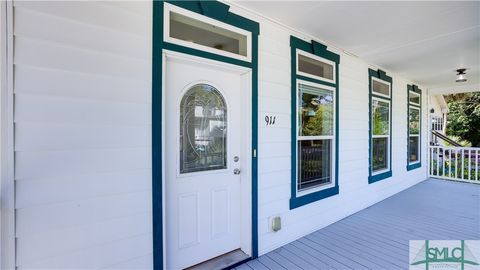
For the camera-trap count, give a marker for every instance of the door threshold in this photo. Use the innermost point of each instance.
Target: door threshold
(225, 261)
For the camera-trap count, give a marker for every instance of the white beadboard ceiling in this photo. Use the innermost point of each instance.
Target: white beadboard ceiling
(422, 41)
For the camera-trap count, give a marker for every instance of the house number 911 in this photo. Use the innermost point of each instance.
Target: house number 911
(270, 120)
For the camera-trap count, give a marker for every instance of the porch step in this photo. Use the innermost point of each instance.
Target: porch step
(226, 260)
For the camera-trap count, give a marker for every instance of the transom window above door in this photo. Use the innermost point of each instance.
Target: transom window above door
(193, 30)
(203, 130)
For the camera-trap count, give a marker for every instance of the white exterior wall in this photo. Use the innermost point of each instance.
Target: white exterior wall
(83, 137)
(82, 134)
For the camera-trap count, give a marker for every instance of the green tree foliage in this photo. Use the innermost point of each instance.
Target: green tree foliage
(463, 118)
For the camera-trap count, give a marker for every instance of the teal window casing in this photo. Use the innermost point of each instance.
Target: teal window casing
(413, 90)
(220, 12)
(316, 50)
(380, 76)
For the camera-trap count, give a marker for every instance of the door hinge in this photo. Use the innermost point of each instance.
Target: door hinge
(254, 153)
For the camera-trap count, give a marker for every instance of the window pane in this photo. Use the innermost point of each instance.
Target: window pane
(198, 32)
(381, 88)
(315, 111)
(380, 117)
(203, 130)
(315, 67)
(379, 154)
(414, 121)
(314, 163)
(413, 146)
(414, 98)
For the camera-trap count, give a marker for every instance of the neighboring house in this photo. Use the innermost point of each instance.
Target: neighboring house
(165, 135)
(438, 118)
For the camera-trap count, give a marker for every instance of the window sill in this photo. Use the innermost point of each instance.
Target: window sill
(414, 166)
(313, 197)
(378, 177)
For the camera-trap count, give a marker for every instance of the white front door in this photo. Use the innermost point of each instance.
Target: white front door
(203, 161)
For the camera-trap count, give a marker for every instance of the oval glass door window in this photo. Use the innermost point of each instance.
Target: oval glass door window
(203, 130)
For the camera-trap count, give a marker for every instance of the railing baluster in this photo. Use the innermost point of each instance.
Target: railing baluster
(469, 163)
(456, 163)
(438, 161)
(450, 163)
(462, 173)
(443, 162)
(476, 165)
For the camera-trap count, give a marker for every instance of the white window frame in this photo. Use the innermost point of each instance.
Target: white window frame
(410, 107)
(324, 137)
(317, 58)
(415, 94)
(384, 82)
(381, 136)
(166, 33)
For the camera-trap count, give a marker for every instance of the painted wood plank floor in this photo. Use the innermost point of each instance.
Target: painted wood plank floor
(378, 237)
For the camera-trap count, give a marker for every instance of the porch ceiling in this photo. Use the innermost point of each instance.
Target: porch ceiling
(422, 41)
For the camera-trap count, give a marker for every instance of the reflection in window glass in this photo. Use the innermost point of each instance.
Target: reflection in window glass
(414, 121)
(315, 67)
(414, 98)
(381, 88)
(202, 33)
(315, 111)
(413, 149)
(314, 163)
(380, 117)
(379, 154)
(203, 130)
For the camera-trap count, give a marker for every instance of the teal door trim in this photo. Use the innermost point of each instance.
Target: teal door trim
(320, 50)
(220, 12)
(379, 74)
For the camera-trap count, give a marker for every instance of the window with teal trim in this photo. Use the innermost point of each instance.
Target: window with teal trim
(414, 126)
(380, 131)
(315, 122)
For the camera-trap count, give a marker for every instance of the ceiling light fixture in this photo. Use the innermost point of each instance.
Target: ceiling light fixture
(461, 76)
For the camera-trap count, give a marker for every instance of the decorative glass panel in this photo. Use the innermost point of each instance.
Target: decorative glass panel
(203, 130)
(379, 154)
(413, 151)
(315, 111)
(315, 67)
(414, 121)
(380, 117)
(381, 88)
(314, 163)
(202, 33)
(414, 98)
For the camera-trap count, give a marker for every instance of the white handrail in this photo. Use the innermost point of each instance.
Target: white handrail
(454, 163)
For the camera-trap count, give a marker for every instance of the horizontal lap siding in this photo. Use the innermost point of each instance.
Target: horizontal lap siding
(274, 142)
(83, 134)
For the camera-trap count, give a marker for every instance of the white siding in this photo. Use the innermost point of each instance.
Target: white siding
(83, 137)
(83, 134)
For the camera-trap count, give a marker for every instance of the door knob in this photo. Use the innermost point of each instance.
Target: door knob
(236, 171)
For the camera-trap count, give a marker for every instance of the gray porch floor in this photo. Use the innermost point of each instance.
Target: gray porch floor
(378, 237)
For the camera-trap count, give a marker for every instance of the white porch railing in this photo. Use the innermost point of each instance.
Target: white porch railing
(455, 163)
